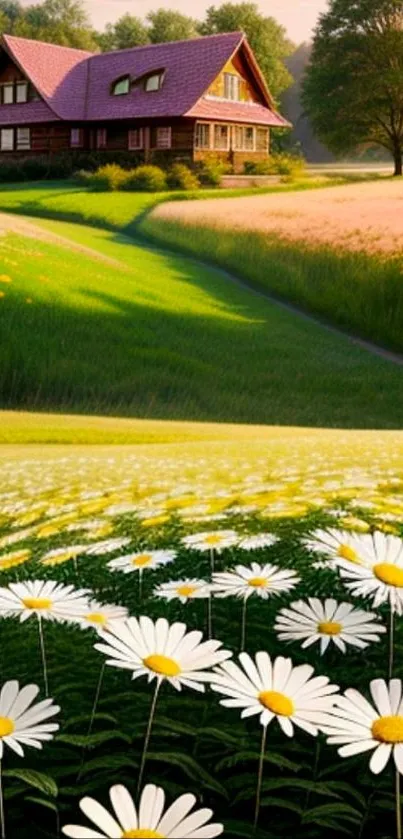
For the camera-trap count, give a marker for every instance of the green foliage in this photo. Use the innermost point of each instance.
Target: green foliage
(108, 178)
(277, 164)
(170, 25)
(58, 22)
(128, 31)
(39, 780)
(181, 177)
(352, 90)
(145, 178)
(212, 170)
(267, 38)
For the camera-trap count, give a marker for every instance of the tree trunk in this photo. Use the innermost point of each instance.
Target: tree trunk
(397, 157)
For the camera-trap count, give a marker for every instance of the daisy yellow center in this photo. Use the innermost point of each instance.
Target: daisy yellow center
(142, 833)
(37, 603)
(388, 729)
(96, 617)
(277, 703)
(6, 726)
(258, 582)
(389, 574)
(186, 591)
(140, 561)
(329, 628)
(213, 540)
(162, 665)
(346, 552)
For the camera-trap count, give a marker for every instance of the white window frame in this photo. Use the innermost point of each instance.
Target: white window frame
(23, 139)
(232, 87)
(163, 130)
(76, 138)
(19, 87)
(266, 131)
(10, 87)
(228, 129)
(155, 77)
(7, 144)
(243, 147)
(102, 138)
(203, 125)
(132, 144)
(124, 80)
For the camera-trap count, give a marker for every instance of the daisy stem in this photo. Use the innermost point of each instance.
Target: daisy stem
(243, 625)
(260, 778)
(212, 560)
(2, 822)
(140, 586)
(43, 653)
(391, 643)
(398, 807)
(93, 712)
(209, 618)
(147, 737)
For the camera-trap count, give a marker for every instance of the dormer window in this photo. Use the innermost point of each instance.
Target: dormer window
(121, 87)
(232, 87)
(153, 82)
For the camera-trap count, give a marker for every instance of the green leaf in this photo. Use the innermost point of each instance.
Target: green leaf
(190, 767)
(109, 762)
(339, 811)
(90, 741)
(85, 718)
(270, 757)
(42, 802)
(39, 780)
(285, 804)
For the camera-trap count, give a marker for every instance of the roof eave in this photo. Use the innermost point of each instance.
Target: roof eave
(9, 50)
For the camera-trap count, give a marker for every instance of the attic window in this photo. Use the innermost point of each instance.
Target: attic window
(121, 86)
(154, 82)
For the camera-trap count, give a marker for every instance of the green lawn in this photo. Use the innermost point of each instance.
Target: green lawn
(154, 335)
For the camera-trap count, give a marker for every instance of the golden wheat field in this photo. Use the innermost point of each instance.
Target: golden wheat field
(352, 216)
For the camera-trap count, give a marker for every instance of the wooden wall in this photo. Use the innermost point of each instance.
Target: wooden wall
(248, 92)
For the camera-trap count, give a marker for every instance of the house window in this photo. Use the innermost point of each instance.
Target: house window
(221, 137)
(164, 137)
(101, 138)
(262, 139)
(121, 86)
(136, 139)
(153, 82)
(8, 94)
(23, 138)
(232, 86)
(244, 138)
(202, 136)
(22, 92)
(7, 139)
(76, 138)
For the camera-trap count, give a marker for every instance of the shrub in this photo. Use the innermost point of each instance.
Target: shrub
(212, 171)
(288, 165)
(83, 177)
(108, 178)
(181, 177)
(145, 179)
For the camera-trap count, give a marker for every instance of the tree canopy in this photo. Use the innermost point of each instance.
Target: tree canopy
(168, 25)
(353, 89)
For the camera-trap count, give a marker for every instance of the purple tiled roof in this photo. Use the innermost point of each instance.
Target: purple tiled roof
(76, 85)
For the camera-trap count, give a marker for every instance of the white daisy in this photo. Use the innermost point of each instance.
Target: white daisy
(150, 819)
(339, 545)
(13, 559)
(258, 541)
(60, 555)
(45, 599)
(161, 651)
(380, 576)
(325, 621)
(264, 580)
(275, 689)
(183, 590)
(21, 723)
(145, 560)
(357, 726)
(107, 546)
(98, 615)
(214, 540)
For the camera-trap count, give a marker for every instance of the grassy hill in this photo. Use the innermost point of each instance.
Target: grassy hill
(130, 331)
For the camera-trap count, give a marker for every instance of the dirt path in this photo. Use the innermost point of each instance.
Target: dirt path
(16, 224)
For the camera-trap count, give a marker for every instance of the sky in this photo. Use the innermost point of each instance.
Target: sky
(298, 16)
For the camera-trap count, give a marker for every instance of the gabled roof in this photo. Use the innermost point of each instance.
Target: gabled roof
(76, 85)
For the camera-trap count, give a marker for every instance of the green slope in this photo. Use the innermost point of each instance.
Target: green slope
(145, 334)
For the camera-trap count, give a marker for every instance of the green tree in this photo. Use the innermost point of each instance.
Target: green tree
(168, 25)
(267, 38)
(59, 22)
(128, 31)
(353, 90)
(10, 12)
